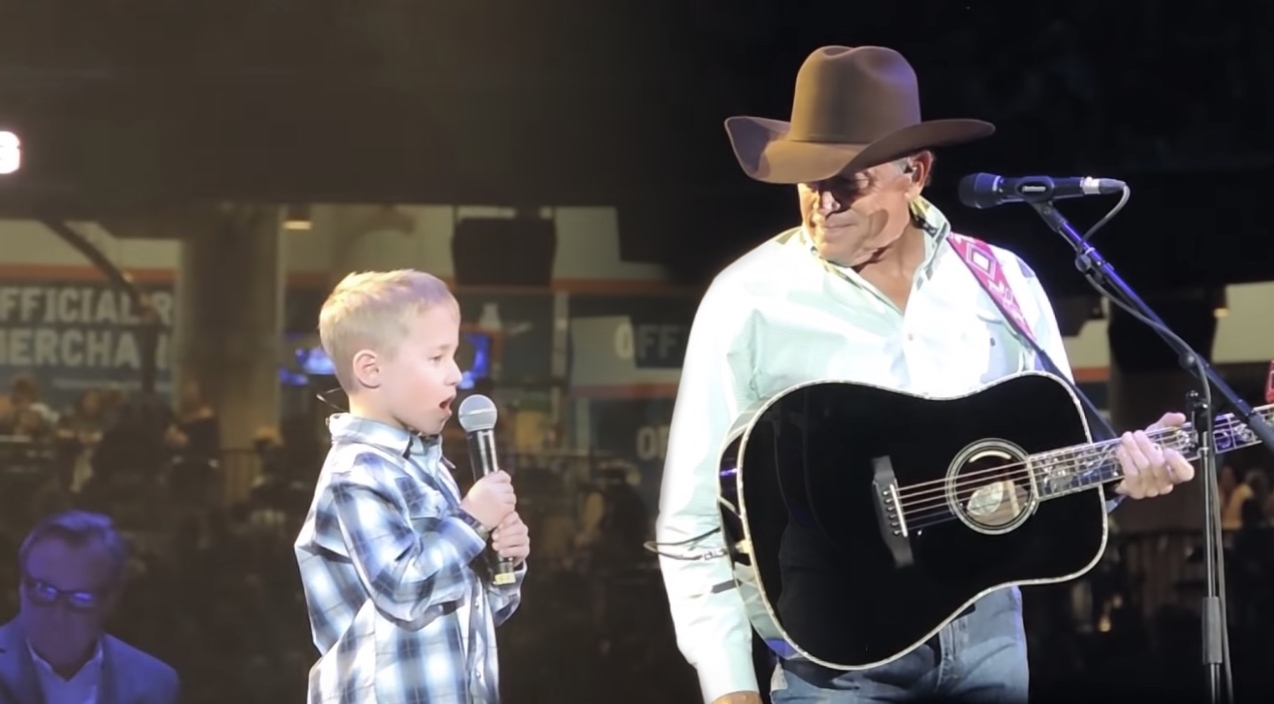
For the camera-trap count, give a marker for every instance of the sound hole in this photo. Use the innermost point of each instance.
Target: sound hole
(989, 487)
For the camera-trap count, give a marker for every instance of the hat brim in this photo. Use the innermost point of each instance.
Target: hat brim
(766, 154)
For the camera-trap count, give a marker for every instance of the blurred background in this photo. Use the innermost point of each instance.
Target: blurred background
(181, 184)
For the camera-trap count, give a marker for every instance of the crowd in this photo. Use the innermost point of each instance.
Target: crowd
(214, 591)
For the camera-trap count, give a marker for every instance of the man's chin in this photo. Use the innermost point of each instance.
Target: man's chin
(834, 238)
(833, 251)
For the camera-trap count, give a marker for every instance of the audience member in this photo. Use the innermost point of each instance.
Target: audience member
(71, 569)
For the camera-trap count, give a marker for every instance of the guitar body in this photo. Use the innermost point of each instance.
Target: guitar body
(812, 475)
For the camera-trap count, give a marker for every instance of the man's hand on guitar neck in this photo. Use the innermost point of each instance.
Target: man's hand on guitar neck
(1149, 468)
(739, 698)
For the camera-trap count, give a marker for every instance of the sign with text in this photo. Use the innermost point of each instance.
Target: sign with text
(604, 357)
(73, 336)
(655, 330)
(619, 341)
(655, 345)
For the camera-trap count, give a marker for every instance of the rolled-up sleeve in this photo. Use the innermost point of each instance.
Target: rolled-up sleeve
(712, 628)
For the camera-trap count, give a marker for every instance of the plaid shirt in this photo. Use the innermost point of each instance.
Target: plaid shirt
(401, 609)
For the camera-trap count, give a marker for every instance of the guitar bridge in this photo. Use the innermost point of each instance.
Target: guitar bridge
(889, 514)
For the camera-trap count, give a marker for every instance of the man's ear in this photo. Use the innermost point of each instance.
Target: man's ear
(915, 187)
(921, 171)
(367, 368)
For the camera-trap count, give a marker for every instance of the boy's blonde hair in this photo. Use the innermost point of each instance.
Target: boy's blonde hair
(372, 310)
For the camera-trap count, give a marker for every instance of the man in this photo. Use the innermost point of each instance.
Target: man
(57, 651)
(865, 289)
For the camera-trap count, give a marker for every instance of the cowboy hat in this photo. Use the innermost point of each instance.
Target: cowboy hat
(854, 108)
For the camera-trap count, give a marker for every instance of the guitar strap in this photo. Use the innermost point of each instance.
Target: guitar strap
(989, 271)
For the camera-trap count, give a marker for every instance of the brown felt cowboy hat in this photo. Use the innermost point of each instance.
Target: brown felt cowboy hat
(854, 108)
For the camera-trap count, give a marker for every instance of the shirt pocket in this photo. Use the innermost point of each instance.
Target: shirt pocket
(422, 505)
(992, 344)
(821, 347)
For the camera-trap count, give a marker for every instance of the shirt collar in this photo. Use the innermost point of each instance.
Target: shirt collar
(93, 663)
(354, 429)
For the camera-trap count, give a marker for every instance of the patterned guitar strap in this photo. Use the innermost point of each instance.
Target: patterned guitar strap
(989, 272)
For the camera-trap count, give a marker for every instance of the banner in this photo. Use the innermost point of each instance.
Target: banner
(73, 336)
(653, 330)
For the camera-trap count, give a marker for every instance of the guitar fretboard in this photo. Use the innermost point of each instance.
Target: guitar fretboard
(1074, 469)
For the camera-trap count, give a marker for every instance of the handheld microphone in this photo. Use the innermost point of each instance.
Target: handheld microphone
(477, 417)
(989, 190)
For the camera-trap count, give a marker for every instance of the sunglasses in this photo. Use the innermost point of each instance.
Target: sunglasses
(45, 594)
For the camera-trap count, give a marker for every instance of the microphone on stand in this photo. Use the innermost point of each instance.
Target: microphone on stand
(989, 190)
(477, 416)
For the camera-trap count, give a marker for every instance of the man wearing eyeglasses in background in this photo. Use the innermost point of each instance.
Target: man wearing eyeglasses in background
(57, 650)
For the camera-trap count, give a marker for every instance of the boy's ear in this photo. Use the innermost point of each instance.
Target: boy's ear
(367, 368)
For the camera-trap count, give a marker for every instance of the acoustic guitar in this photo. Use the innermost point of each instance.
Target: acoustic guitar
(861, 520)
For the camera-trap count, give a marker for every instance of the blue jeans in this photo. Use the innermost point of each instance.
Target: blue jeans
(979, 658)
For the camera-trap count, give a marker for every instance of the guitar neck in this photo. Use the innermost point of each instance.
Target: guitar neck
(1073, 469)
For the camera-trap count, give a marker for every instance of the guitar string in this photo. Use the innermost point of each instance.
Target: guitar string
(911, 498)
(926, 496)
(916, 511)
(1077, 458)
(932, 513)
(1069, 459)
(931, 519)
(925, 514)
(1103, 458)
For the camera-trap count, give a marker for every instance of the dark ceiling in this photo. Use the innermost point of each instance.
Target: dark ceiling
(621, 103)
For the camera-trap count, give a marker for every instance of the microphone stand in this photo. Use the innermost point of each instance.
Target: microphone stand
(1102, 275)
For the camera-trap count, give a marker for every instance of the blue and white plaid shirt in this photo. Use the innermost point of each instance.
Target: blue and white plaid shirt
(401, 606)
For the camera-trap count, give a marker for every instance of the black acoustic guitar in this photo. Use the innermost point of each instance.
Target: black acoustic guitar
(862, 520)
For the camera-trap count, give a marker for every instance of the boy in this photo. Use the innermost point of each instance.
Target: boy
(401, 605)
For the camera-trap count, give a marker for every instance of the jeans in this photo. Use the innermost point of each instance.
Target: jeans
(978, 658)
